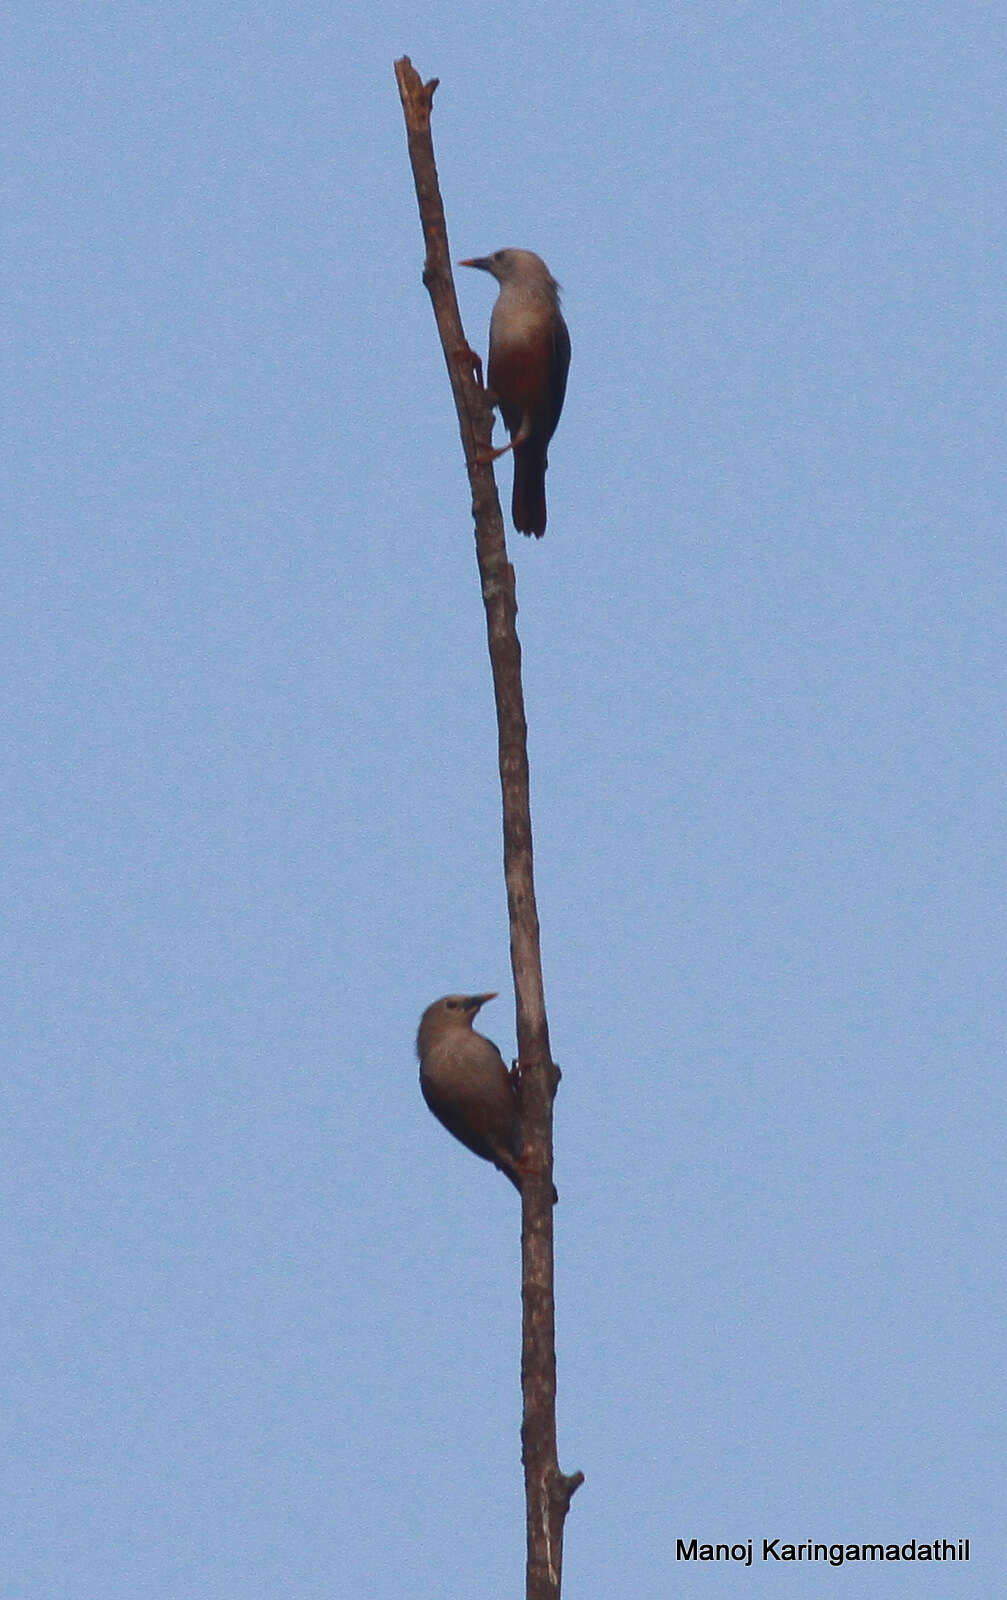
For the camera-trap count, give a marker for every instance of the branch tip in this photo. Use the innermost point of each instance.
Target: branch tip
(416, 95)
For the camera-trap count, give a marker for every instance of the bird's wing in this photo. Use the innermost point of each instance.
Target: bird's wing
(559, 367)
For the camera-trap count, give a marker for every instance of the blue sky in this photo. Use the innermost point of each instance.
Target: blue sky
(261, 1323)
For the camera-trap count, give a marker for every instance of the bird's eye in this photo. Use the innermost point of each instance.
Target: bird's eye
(498, 255)
(452, 1005)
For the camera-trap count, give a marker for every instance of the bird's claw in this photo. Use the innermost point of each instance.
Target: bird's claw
(470, 359)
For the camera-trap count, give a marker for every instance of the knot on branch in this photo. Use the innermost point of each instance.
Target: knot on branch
(553, 1074)
(563, 1489)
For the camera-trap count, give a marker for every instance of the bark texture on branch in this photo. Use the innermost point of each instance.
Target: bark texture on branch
(547, 1490)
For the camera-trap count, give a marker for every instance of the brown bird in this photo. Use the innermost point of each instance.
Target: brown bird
(465, 1083)
(528, 364)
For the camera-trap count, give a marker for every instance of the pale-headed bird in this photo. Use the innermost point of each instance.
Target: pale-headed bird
(466, 1084)
(528, 363)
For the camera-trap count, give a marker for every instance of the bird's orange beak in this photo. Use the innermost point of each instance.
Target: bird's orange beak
(476, 1001)
(476, 261)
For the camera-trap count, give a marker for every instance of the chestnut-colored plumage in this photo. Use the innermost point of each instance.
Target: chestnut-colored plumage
(528, 363)
(466, 1084)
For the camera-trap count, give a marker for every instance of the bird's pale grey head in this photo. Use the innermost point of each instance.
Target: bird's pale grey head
(451, 1011)
(514, 266)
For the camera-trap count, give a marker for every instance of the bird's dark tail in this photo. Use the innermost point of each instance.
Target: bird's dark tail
(528, 501)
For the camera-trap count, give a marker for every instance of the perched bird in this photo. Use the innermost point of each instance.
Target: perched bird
(465, 1083)
(528, 364)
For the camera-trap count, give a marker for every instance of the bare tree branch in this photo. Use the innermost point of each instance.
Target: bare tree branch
(547, 1490)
